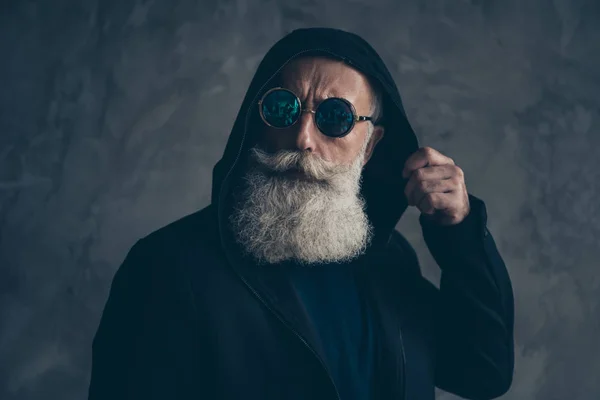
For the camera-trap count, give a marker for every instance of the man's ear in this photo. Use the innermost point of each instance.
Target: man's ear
(375, 138)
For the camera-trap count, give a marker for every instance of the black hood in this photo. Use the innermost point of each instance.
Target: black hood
(383, 185)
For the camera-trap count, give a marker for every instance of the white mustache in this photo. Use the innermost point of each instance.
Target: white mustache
(312, 166)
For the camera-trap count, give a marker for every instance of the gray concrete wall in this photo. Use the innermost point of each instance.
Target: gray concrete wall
(112, 114)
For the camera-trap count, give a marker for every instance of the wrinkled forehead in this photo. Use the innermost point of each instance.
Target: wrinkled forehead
(317, 78)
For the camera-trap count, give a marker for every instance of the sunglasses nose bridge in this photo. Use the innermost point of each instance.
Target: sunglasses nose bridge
(311, 119)
(310, 122)
(309, 111)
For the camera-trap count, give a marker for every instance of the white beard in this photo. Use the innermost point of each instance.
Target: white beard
(281, 217)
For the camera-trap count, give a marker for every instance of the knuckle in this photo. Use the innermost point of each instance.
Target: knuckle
(459, 172)
(427, 150)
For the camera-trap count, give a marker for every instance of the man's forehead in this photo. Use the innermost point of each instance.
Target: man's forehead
(326, 76)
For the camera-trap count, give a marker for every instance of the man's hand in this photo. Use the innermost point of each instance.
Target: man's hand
(436, 186)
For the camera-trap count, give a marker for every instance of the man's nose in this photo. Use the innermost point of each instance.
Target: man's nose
(306, 132)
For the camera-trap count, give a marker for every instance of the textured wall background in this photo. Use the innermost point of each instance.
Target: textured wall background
(112, 114)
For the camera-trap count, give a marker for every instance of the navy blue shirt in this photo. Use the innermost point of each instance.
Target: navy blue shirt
(333, 300)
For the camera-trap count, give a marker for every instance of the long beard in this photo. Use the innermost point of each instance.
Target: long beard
(312, 219)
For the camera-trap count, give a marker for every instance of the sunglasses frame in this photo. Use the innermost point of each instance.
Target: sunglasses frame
(355, 118)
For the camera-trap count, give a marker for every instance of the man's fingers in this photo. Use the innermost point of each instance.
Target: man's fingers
(424, 188)
(425, 156)
(426, 180)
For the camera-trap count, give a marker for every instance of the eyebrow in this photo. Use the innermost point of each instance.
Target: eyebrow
(319, 97)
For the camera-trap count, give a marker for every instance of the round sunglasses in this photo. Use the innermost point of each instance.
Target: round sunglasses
(335, 117)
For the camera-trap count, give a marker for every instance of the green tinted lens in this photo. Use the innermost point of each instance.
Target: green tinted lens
(334, 117)
(280, 108)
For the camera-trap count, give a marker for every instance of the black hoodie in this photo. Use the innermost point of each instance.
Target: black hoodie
(188, 316)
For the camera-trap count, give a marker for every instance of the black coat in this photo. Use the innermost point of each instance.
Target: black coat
(190, 317)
